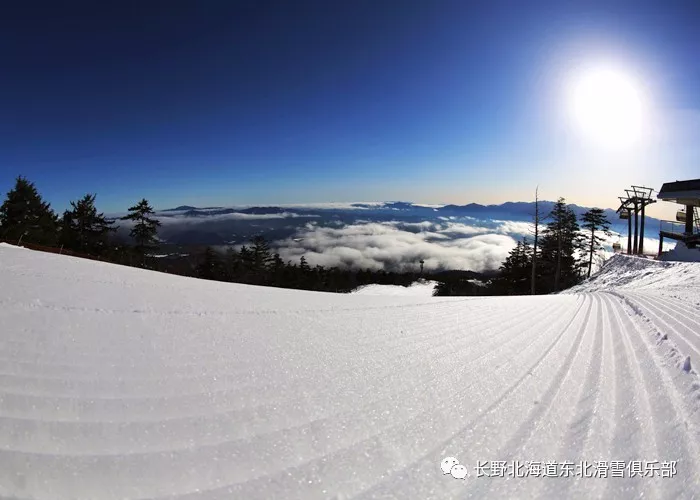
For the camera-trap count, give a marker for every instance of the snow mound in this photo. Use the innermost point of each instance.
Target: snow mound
(416, 289)
(122, 383)
(682, 253)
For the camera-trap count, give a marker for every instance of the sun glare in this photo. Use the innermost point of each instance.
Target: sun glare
(609, 107)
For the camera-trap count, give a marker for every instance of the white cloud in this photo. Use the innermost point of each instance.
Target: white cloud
(424, 225)
(442, 244)
(514, 227)
(457, 228)
(386, 246)
(427, 205)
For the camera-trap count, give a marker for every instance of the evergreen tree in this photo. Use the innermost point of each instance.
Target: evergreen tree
(24, 215)
(277, 263)
(232, 265)
(66, 235)
(277, 270)
(515, 272)
(210, 267)
(246, 266)
(83, 229)
(594, 220)
(304, 275)
(560, 244)
(291, 275)
(145, 230)
(261, 259)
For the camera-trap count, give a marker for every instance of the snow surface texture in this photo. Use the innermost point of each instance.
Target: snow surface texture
(122, 383)
(417, 289)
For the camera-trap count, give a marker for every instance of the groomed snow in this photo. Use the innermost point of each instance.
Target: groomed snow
(122, 383)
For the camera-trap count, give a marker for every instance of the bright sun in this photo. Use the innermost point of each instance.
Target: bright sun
(609, 107)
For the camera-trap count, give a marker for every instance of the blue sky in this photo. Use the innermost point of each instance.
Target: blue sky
(215, 103)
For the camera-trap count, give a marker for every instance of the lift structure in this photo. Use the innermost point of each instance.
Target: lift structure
(634, 204)
(686, 227)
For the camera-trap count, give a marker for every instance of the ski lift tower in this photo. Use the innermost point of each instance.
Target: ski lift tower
(635, 203)
(685, 193)
(625, 212)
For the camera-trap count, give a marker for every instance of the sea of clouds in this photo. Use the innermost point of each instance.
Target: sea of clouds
(479, 245)
(368, 242)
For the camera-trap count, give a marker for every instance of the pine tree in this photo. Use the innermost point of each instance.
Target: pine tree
(277, 270)
(232, 265)
(145, 231)
(260, 254)
(25, 216)
(594, 220)
(246, 267)
(66, 236)
(515, 272)
(305, 279)
(210, 267)
(277, 263)
(560, 244)
(83, 229)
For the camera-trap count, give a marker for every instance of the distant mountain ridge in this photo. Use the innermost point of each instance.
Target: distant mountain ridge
(520, 209)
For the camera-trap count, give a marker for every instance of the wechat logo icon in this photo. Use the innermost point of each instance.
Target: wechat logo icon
(450, 465)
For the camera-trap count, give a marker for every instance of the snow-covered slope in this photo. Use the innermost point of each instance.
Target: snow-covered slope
(121, 383)
(417, 289)
(627, 273)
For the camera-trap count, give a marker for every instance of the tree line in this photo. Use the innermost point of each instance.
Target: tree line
(556, 261)
(560, 256)
(25, 216)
